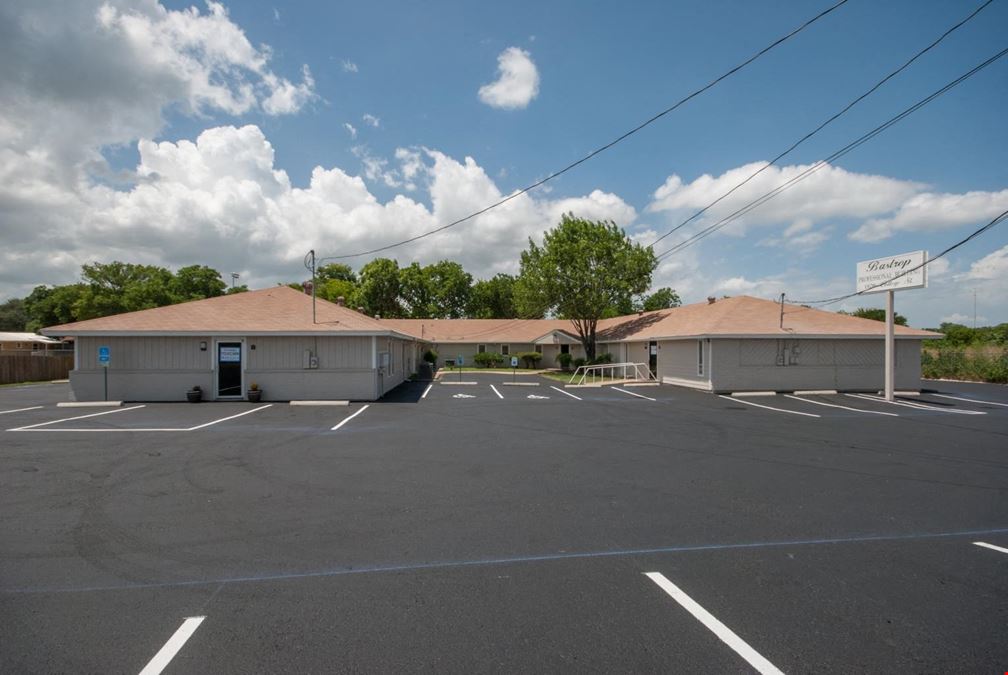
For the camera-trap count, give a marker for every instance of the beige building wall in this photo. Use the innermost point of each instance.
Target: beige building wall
(162, 368)
(678, 363)
(786, 365)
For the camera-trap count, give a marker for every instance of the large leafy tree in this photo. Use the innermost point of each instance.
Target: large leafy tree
(196, 282)
(335, 271)
(438, 291)
(493, 298)
(582, 269)
(13, 315)
(876, 314)
(115, 287)
(663, 298)
(49, 306)
(378, 290)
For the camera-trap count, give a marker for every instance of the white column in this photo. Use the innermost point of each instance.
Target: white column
(890, 348)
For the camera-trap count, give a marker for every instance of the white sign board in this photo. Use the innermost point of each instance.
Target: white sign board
(514, 361)
(230, 355)
(887, 274)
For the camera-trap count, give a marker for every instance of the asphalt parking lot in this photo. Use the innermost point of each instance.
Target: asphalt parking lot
(499, 528)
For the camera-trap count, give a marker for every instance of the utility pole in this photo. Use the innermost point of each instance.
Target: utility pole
(312, 253)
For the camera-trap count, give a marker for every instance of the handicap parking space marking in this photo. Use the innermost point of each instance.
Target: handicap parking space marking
(496, 392)
(567, 393)
(970, 400)
(173, 646)
(990, 546)
(768, 407)
(842, 407)
(917, 406)
(350, 417)
(632, 393)
(464, 396)
(723, 632)
(16, 410)
(536, 396)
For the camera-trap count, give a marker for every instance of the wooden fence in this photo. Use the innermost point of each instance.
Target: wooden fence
(28, 368)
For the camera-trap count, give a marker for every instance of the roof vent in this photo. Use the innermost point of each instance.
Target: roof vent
(711, 299)
(341, 301)
(306, 286)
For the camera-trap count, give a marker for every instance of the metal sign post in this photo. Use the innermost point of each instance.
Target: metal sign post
(458, 362)
(104, 356)
(514, 368)
(894, 273)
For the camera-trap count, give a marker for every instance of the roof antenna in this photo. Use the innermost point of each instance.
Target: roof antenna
(782, 311)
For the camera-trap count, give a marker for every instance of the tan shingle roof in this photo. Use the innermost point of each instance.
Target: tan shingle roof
(480, 330)
(746, 316)
(279, 309)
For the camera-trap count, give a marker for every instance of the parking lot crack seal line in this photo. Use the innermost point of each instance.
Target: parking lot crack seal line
(511, 560)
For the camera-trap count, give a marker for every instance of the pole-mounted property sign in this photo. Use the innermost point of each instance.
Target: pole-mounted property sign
(893, 273)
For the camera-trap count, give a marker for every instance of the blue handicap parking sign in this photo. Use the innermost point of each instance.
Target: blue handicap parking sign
(104, 355)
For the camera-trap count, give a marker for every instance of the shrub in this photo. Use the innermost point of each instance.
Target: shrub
(601, 358)
(564, 360)
(489, 359)
(530, 359)
(988, 364)
(430, 356)
(579, 361)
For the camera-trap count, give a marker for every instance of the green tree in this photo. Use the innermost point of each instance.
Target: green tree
(438, 291)
(663, 298)
(877, 315)
(333, 289)
(378, 291)
(335, 271)
(50, 306)
(416, 292)
(13, 316)
(493, 298)
(116, 287)
(196, 282)
(582, 269)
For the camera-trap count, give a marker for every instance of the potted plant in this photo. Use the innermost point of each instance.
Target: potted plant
(254, 393)
(194, 395)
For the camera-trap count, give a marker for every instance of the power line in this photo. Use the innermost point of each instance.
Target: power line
(976, 233)
(601, 149)
(826, 123)
(823, 162)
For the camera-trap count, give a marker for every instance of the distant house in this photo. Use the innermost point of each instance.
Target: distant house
(26, 343)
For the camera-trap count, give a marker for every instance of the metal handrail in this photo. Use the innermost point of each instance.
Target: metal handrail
(601, 368)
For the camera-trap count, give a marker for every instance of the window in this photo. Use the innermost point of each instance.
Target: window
(505, 350)
(699, 368)
(538, 349)
(565, 349)
(481, 349)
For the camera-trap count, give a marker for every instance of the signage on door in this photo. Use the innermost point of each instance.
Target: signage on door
(230, 355)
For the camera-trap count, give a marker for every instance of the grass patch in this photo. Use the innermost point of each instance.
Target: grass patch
(987, 363)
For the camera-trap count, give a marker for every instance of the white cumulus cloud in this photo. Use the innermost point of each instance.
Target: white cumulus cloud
(371, 120)
(930, 211)
(517, 82)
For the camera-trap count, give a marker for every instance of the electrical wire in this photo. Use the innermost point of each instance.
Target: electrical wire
(819, 128)
(976, 233)
(600, 149)
(824, 162)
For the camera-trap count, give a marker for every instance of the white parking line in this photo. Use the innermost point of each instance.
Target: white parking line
(917, 406)
(634, 393)
(225, 419)
(760, 405)
(970, 400)
(726, 634)
(349, 418)
(496, 392)
(427, 391)
(842, 407)
(34, 407)
(990, 546)
(78, 417)
(172, 647)
(566, 392)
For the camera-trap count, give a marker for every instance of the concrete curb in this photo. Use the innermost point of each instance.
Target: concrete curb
(89, 404)
(641, 384)
(742, 394)
(320, 402)
(813, 392)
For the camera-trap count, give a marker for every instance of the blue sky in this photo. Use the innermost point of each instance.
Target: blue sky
(205, 189)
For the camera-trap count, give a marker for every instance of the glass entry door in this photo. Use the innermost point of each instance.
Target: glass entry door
(229, 369)
(653, 358)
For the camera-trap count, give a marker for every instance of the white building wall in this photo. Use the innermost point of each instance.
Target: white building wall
(786, 365)
(678, 363)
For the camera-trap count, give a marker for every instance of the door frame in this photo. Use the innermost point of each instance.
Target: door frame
(216, 378)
